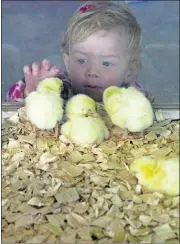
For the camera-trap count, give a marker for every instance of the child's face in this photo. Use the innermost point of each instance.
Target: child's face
(98, 62)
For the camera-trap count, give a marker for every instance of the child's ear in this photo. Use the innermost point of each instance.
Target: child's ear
(66, 60)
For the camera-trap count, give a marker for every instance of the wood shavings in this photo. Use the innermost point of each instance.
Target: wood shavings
(53, 191)
(67, 195)
(159, 115)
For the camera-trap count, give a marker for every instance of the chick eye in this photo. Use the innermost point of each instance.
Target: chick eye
(82, 61)
(106, 63)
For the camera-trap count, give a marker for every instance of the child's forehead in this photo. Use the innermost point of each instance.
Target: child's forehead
(106, 41)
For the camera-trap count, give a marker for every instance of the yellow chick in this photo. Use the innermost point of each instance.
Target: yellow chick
(80, 105)
(84, 126)
(157, 175)
(85, 131)
(44, 107)
(128, 108)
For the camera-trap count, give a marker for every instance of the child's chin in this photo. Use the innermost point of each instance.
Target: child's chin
(96, 95)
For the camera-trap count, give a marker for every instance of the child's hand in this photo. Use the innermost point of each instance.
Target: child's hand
(34, 74)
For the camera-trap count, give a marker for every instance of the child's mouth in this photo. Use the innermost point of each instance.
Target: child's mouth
(93, 87)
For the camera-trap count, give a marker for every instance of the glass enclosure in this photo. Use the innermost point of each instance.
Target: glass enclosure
(31, 30)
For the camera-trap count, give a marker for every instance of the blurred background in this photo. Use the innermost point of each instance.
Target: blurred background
(31, 31)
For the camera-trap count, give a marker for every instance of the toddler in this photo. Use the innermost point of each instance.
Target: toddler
(101, 47)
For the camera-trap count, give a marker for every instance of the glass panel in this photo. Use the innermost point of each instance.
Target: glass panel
(31, 31)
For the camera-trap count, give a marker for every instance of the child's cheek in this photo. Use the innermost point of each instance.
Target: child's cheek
(78, 69)
(110, 78)
(77, 75)
(117, 77)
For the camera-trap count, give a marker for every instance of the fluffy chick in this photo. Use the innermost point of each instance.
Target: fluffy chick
(84, 126)
(128, 108)
(80, 105)
(44, 107)
(85, 131)
(161, 175)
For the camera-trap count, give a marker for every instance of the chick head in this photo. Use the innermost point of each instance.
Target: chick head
(146, 166)
(111, 97)
(108, 92)
(50, 85)
(80, 105)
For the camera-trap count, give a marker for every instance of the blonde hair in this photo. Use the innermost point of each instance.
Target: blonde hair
(106, 15)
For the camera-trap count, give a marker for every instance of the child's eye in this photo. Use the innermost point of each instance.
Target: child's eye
(82, 61)
(106, 63)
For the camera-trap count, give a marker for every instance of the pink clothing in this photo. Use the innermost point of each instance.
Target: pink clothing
(16, 92)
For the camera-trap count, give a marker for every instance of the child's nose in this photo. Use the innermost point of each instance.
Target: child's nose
(92, 75)
(92, 72)
(93, 69)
